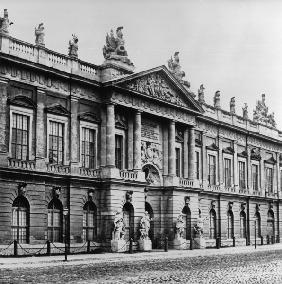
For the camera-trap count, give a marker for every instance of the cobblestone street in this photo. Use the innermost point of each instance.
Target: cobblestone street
(254, 267)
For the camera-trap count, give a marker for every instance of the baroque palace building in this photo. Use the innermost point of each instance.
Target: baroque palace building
(92, 140)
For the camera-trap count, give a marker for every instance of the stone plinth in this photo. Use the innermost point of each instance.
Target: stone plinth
(118, 245)
(199, 243)
(179, 243)
(145, 245)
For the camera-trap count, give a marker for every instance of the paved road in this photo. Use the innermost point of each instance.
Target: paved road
(256, 267)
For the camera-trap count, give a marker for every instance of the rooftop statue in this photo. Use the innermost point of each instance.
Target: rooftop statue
(201, 94)
(114, 48)
(245, 111)
(73, 47)
(216, 99)
(175, 68)
(39, 35)
(5, 23)
(261, 115)
(232, 105)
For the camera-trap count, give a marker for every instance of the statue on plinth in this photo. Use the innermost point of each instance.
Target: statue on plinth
(119, 230)
(216, 99)
(73, 47)
(175, 68)
(261, 115)
(179, 227)
(201, 94)
(199, 228)
(39, 35)
(5, 23)
(145, 226)
(232, 105)
(115, 47)
(245, 111)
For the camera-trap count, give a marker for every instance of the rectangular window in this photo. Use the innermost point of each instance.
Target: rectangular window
(119, 151)
(56, 142)
(242, 174)
(177, 161)
(20, 136)
(269, 179)
(88, 147)
(227, 172)
(197, 165)
(255, 177)
(211, 170)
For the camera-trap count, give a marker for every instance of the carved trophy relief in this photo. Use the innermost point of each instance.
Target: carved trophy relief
(150, 153)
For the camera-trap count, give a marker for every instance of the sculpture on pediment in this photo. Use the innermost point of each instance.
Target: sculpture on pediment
(179, 226)
(155, 86)
(115, 47)
(261, 115)
(119, 227)
(150, 153)
(245, 111)
(201, 94)
(152, 175)
(216, 99)
(232, 105)
(5, 23)
(175, 68)
(39, 35)
(145, 226)
(73, 47)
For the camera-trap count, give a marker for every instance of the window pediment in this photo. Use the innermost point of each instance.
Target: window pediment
(255, 155)
(228, 150)
(58, 110)
(22, 101)
(212, 147)
(271, 160)
(90, 117)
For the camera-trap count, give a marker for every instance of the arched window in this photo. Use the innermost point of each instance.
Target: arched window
(212, 224)
(187, 222)
(243, 225)
(20, 220)
(258, 225)
(128, 218)
(55, 217)
(230, 224)
(270, 223)
(89, 221)
(149, 209)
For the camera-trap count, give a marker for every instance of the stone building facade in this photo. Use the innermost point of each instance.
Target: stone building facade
(93, 140)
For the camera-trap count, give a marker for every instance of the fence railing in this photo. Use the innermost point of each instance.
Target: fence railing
(19, 164)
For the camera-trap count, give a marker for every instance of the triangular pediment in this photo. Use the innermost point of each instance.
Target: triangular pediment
(90, 117)
(58, 110)
(159, 84)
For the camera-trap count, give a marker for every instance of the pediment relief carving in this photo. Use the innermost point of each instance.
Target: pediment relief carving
(271, 160)
(22, 101)
(212, 147)
(90, 117)
(228, 150)
(255, 154)
(58, 110)
(155, 85)
(120, 121)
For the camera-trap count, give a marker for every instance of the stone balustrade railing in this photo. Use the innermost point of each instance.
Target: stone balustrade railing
(183, 182)
(47, 57)
(26, 165)
(58, 169)
(94, 173)
(128, 175)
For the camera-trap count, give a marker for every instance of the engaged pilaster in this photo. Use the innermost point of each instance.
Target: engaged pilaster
(74, 136)
(137, 141)
(110, 137)
(185, 150)
(171, 149)
(191, 154)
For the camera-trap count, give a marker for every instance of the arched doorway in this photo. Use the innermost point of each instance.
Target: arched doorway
(55, 220)
(149, 209)
(187, 222)
(270, 224)
(243, 225)
(128, 219)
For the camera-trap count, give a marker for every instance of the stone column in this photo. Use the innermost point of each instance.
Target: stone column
(110, 137)
(130, 143)
(191, 155)
(249, 171)
(235, 166)
(262, 173)
(171, 149)
(40, 131)
(4, 122)
(278, 181)
(204, 159)
(185, 151)
(220, 163)
(103, 152)
(137, 141)
(74, 136)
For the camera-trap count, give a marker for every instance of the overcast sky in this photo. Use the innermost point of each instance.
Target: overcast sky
(231, 46)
